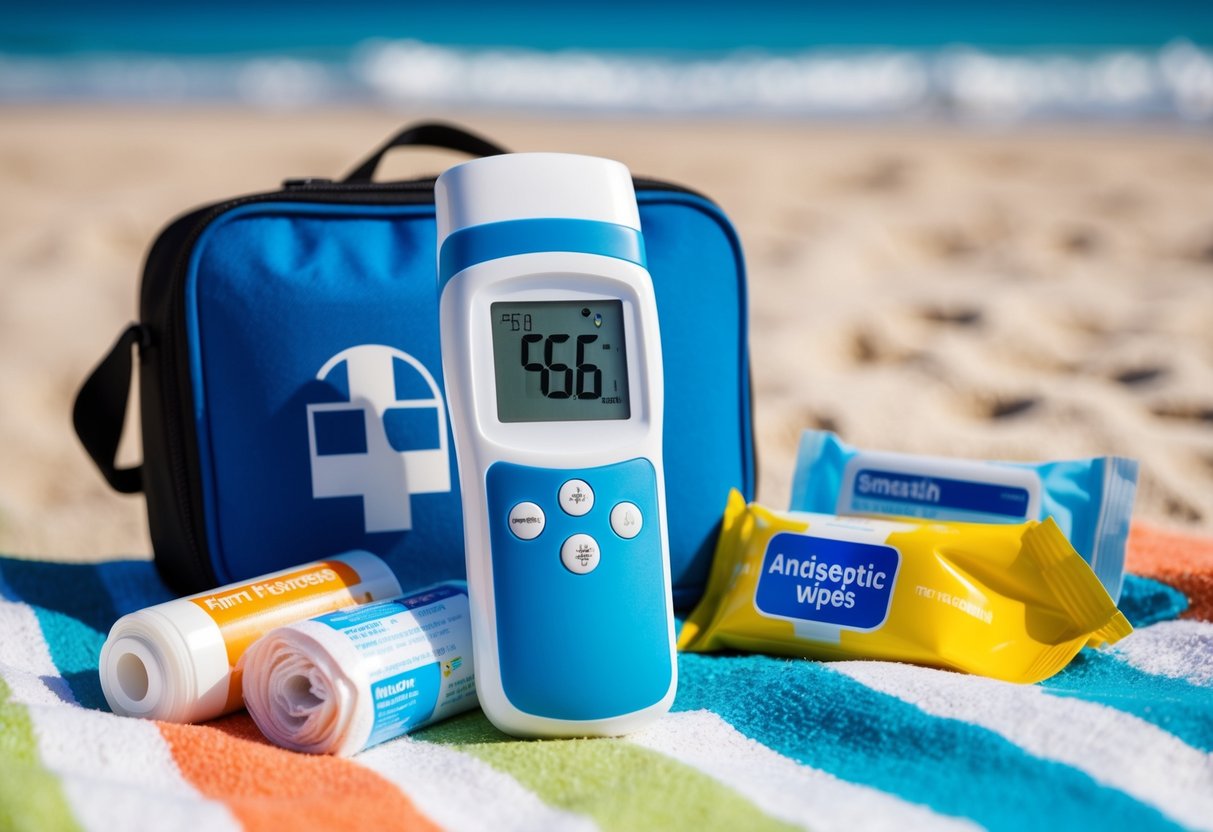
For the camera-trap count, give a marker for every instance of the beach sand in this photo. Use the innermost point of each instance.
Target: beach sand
(1022, 294)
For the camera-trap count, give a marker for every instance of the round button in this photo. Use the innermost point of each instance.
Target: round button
(580, 554)
(576, 497)
(626, 520)
(527, 521)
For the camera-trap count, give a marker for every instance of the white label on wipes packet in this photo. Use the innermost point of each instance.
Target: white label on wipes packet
(417, 651)
(858, 529)
(938, 489)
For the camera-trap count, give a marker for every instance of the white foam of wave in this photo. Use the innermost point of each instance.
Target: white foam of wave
(267, 81)
(278, 82)
(1189, 71)
(873, 82)
(1175, 82)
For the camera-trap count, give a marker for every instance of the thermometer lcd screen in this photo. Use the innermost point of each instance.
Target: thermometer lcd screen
(558, 361)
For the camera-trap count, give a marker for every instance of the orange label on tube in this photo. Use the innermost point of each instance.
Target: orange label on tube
(244, 613)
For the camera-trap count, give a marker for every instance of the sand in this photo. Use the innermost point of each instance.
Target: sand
(1027, 293)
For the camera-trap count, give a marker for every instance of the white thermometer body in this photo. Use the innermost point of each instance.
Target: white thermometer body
(551, 355)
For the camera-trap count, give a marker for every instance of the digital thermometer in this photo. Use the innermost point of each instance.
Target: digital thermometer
(552, 360)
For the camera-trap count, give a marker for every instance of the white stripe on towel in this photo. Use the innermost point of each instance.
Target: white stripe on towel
(24, 649)
(460, 792)
(1176, 649)
(116, 773)
(781, 787)
(1115, 748)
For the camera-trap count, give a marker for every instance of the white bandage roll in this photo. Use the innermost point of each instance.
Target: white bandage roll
(351, 679)
(177, 661)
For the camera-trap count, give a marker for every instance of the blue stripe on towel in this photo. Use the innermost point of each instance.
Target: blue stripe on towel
(1174, 705)
(75, 612)
(806, 712)
(1147, 601)
(132, 585)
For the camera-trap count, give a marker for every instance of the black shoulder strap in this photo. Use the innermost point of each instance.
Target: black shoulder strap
(426, 134)
(100, 411)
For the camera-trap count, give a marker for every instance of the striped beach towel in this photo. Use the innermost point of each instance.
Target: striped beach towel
(1122, 739)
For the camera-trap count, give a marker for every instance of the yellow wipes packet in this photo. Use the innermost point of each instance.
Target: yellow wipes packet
(1013, 602)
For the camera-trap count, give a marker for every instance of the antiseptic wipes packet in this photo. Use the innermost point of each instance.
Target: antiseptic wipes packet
(1009, 601)
(1090, 499)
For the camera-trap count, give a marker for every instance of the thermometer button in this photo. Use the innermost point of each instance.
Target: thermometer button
(580, 554)
(626, 520)
(527, 521)
(576, 497)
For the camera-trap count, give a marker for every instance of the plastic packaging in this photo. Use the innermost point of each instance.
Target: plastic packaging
(352, 679)
(176, 661)
(1091, 499)
(1009, 601)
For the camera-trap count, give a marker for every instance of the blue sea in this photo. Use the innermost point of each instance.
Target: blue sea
(942, 59)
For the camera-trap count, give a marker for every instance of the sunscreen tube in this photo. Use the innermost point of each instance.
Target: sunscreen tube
(177, 661)
(348, 680)
(1090, 499)
(1010, 601)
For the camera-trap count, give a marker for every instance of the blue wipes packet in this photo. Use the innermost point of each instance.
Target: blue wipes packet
(1090, 499)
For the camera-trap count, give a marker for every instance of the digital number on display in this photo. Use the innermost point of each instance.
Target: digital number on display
(560, 360)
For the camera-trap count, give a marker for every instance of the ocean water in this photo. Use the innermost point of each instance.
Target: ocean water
(942, 59)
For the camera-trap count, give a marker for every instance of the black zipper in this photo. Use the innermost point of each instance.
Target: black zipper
(176, 366)
(315, 184)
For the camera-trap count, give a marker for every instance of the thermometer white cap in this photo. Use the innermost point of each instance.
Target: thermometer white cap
(522, 186)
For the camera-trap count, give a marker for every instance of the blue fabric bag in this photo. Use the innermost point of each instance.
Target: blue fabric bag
(289, 355)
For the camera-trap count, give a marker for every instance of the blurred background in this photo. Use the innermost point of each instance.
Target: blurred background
(971, 229)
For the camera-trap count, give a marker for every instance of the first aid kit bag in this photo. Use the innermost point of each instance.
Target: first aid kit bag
(290, 379)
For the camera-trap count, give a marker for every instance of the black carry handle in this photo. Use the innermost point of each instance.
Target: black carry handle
(100, 411)
(426, 134)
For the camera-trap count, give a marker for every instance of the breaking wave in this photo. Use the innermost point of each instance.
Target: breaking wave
(962, 83)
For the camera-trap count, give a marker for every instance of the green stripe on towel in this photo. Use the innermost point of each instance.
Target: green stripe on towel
(30, 797)
(619, 785)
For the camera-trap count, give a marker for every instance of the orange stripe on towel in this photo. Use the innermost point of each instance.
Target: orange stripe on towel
(1184, 561)
(271, 789)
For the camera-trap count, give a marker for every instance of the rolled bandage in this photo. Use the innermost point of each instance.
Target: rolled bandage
(352, 679)
(1009, 601)
(1091, 500)
(177, 661)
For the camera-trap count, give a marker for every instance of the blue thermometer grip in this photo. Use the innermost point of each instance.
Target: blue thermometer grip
(580, 646)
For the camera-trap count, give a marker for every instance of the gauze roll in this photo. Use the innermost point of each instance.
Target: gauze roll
(348, 680)
(177, 661)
